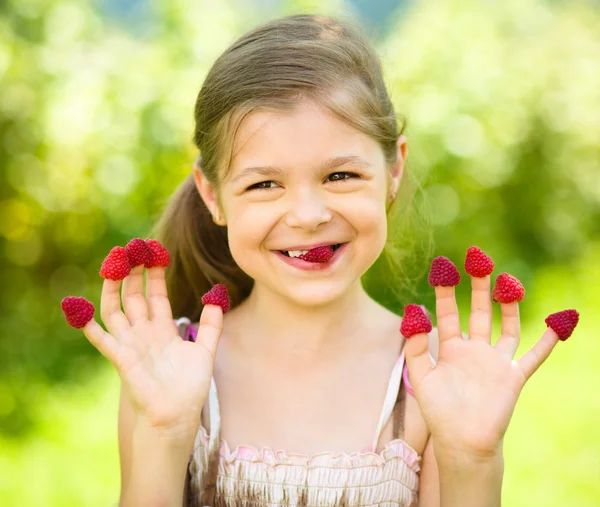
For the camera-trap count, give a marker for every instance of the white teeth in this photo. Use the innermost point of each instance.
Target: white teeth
(296, 253)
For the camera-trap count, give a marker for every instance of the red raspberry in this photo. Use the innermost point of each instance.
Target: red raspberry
(415, 321)
(477, 263)
(160, 255)
(218, 295)
(116, 265)
(443, 273)
(508, 289)
(78, 311)
(138, 252)
(319, 254)
(563, 323)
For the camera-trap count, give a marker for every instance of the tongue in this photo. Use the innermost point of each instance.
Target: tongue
(319, 254)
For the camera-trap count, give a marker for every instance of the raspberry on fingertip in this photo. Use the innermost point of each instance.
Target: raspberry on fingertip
(563, 323)
(138, 252)
(477, 263)
(443, 273)
(116, 264)
(159, 254)
(219, 296)
(414, 321)
(508, 289)
(77, 310)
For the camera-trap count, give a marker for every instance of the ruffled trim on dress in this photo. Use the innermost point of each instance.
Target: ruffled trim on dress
(394, 448)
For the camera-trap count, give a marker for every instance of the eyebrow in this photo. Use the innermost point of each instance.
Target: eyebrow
(329, 164)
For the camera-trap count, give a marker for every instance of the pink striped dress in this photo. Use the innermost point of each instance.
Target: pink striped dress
(249, 477)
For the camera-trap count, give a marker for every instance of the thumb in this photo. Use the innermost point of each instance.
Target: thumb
(210, 328)
(415, 327)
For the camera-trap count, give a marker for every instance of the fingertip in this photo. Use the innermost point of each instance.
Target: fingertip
(92, 326)
(211, 315)
(481, 282)
(111, 285)
(444, 291)
(510, 308)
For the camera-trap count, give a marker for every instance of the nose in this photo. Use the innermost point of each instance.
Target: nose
(307, 210)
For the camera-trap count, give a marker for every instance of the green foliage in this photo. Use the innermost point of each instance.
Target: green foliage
(95, 131)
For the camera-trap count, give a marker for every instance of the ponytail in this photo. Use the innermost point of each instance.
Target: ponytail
(200, 255)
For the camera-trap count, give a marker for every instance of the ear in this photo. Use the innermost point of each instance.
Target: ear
(208, 193)
(398, 169)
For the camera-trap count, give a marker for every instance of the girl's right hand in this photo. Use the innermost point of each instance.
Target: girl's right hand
(166, 379)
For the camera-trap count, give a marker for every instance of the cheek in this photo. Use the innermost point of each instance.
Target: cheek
(367, 215)
(248, 226)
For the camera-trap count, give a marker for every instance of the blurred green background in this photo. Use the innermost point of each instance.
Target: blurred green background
(96, 118)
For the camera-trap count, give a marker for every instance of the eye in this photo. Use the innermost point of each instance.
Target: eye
(342, 176)
(263, 185)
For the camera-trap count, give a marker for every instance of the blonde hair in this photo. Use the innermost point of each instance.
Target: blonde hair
(273, 67)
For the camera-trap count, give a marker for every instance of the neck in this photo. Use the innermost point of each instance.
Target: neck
(285, 328)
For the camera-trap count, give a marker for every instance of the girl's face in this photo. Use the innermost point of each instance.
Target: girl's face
(299, 180)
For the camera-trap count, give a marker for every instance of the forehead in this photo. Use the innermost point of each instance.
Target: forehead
(304, 135)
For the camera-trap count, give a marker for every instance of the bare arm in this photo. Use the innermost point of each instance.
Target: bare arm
(429, 485)
(153, 465)
(459, 485)
(470, 483)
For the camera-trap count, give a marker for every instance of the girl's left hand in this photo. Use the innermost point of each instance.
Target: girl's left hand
(468, 397)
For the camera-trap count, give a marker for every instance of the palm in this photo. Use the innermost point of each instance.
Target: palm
(160, 374)
(470, 394)
(467, 398)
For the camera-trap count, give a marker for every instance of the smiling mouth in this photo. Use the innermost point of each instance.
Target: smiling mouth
(297, 253)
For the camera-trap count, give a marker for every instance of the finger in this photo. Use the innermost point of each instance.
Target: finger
(103, 341)
(110, 308)
(446, 309)
(210, 328)
(508, 343)
(531, 360)
(134, 302)
(416, 352)
(480, 321)
(156, 294)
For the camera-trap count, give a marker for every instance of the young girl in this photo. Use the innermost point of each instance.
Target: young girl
(302, 395)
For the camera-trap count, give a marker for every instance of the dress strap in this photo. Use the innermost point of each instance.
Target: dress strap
(214, 445)
(390, 398)
(214, 415)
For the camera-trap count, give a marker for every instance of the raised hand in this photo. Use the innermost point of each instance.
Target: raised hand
(165, 378)
(469, 396)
